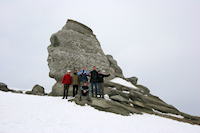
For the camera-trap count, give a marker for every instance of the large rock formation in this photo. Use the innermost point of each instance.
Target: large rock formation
(76, 46)
(72, 48)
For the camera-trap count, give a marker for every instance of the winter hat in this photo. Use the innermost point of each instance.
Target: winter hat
(68, 71)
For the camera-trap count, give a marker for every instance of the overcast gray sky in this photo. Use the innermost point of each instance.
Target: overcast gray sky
(156, 41)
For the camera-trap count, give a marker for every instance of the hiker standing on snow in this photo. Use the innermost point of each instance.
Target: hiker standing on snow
(101, 83)
(93, 80)
(66, 81)
(83, 76)
(75, 82)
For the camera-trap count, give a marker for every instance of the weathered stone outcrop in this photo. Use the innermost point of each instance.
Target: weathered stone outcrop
(37, 90)
(114, 66)
(3, 87)
(136, 101)
(133, 80)
(108, 106)
(74, 47)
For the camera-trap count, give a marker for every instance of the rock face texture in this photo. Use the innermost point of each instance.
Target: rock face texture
(74, 47)
(3, 87)
(114, 67)
(123, 100)
(133, 80)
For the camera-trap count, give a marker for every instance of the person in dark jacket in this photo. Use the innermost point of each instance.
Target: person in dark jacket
(66, 81)
(101, 83)
(84, 91)
(75, 82)
(83, 76)
(93, 80)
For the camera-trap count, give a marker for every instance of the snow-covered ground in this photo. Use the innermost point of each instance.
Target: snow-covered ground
(123, 82)
(21, 113)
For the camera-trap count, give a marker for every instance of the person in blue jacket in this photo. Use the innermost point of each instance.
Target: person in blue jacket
(83, 76)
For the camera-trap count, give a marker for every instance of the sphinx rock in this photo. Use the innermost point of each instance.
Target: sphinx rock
(74, 47)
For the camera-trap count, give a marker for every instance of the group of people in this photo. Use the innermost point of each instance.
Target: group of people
(81, 78)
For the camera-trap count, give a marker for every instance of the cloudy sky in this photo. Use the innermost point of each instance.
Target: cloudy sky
(156, 41)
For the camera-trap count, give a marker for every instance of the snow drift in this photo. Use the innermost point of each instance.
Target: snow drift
(29, 113)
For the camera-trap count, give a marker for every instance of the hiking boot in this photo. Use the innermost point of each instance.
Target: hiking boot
(89, 99)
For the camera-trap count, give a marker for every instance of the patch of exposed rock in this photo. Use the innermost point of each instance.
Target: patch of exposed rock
(37, 90)
(114, 66)
(3, 87)
(133, 80)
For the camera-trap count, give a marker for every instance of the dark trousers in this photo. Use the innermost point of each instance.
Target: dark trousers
(75, 90)
(65, 90)
(95, 88)
(101, 89)
(84, 94)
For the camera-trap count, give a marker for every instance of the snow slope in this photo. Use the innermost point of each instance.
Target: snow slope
(123, 82)
(28, 113)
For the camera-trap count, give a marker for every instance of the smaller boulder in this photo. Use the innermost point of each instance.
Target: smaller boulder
(135, 95)
(117, 92)
(120, 99)
(139, 104)
(3, 87)
(18, 91)
(99, 103)
(133, 80)
(37, 90)
(28, 92)
(143, 89)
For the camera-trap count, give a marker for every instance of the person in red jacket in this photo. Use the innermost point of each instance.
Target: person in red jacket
(66, 82)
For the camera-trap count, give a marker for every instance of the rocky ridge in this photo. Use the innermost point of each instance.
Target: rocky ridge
(76, 46)
(77, 38)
